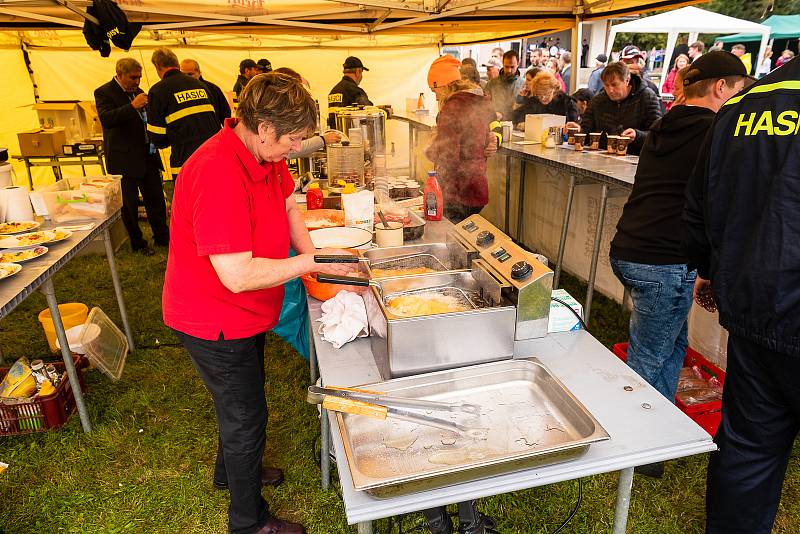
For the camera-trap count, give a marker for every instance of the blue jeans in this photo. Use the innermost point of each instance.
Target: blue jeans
(662, 296)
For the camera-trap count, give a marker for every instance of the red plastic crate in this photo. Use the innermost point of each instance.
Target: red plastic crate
(709, 414)
(43, 413)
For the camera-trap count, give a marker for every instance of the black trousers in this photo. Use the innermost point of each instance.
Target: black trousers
(153, 196)
(760, 420)
(233, 371)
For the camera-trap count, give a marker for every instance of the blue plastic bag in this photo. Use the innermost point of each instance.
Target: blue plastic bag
(293, 323)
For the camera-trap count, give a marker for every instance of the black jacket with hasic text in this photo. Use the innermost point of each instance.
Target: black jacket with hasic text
(743, 212)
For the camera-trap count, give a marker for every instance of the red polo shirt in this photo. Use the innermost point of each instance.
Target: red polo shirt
(224, 202)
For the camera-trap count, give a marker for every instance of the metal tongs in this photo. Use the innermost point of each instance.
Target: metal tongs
(378, 405)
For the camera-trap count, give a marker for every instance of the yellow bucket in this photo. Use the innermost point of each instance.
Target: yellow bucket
(72, 314)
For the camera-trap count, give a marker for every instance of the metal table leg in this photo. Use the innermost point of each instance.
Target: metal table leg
(28, 168)
(312, 351)
(412, 167)
(521, 206)
(508, 196)
(50, 294)
(598, 236)
(123, 312)
(624, 486)
(365, 527)
(573, 180)
(325, 449)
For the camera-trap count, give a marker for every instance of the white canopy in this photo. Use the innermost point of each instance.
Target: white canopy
(689, 20)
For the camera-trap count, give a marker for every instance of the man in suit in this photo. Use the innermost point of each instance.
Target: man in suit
(121, 107)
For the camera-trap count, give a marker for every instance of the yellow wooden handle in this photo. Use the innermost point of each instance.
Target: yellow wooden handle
(355, 390)
(354, 407)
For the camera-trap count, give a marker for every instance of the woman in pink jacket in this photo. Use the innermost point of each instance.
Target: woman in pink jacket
(669, 84)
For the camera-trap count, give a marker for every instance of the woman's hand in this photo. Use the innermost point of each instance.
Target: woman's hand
(333, 268)
(630, 133)
(331, 137)
(572, 124)
(491, 147)
(704, 294)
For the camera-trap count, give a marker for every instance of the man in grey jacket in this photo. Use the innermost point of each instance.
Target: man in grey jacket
(504, 89)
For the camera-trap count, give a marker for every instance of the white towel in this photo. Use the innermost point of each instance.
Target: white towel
(344, 318)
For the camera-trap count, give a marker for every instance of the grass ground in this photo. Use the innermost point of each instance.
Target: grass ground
(146, 466)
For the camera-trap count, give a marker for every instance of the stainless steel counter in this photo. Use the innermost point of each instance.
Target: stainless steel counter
(643, 425)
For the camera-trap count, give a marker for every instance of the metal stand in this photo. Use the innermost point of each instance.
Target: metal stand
(123, 312)
(312, 352)
(624, 486)
(598, 237)
(573, 180)
(412, 165)
(508, 196)
(520, 207)
(52, 303)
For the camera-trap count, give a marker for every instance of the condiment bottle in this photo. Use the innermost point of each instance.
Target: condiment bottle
(434, 201)
(314, 197)
(421, 101)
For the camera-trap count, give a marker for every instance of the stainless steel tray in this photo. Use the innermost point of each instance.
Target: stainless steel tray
(532, 420)
(438, 257)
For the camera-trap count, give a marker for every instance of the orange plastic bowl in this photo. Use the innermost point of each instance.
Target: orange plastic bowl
(322, 291)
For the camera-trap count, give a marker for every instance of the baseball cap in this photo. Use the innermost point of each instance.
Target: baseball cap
(264, 65)
(353, 62)
(494, 63)
(444, 70)
(247, 64)
(602, 58)
(630, 52)
(716, 64)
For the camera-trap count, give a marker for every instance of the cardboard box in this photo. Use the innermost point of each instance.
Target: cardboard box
(536, 125)
(42, 141)
(561, 319)
(61, 113)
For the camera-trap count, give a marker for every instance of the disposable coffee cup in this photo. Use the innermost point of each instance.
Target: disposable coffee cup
(389, 237)
(622, 145)
(580, 141)
(611, 148)
(571, 135)
(594, 140)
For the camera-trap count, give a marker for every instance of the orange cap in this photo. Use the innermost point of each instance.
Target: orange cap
(444, 71)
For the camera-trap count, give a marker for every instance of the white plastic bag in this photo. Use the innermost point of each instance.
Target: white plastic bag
(359, 210)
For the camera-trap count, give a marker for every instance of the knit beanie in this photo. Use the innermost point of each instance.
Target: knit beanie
(444, 71)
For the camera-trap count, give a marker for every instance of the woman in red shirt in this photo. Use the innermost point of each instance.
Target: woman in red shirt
(233, 220)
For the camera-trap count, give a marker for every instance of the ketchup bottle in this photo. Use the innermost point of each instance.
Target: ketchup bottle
(432, 195)
(314, 198)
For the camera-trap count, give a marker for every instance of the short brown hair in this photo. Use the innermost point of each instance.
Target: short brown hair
(278, 100)
(164, 57)
(511, 54)
(470, 72)
(127, 65)
(700, 88)
(617, 69)
(290, 72)
(698, 45)
(545, 81)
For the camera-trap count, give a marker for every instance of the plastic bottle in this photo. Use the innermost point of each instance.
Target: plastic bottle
(74, 131)
(434, 202)
(421, 101)
(97, 131)
(314, 197)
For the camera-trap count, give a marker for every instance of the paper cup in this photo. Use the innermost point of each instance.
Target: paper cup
(611, 148)
(594, 141)
(622, 145)
(580, 141)
(389, 237)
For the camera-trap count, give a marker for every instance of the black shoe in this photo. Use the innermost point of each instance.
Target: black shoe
(270, 476)
(277, 526)
(655, 470)
(146, 250)
(483, 525)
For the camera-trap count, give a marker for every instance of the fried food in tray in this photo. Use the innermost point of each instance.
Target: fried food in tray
(416, 305)
(386, 273)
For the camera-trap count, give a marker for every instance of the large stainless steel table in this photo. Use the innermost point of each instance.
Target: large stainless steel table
(614, 174)
(38, 274)
(643, 425)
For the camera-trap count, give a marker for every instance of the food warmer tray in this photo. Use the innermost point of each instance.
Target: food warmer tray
(531, 417)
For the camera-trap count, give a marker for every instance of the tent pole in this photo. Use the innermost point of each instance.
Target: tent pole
(672, 37)
(575, 69)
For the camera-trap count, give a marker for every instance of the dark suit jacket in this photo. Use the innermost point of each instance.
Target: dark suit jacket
(124, 135)
(218, 100)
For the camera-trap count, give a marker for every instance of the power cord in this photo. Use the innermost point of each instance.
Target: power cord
(570, 308)
(577, 504)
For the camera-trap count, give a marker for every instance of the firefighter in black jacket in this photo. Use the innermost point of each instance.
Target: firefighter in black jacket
(347, 92)
(741, 213)
(180, 114)
(191, 67)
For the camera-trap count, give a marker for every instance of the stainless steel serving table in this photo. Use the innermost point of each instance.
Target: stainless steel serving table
(38, 274)
(614, 174)
(416, 122)
(643, 425)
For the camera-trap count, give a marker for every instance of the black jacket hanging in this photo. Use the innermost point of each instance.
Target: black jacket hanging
(114, 27)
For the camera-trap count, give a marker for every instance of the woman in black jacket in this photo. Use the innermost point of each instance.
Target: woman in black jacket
(542, 94)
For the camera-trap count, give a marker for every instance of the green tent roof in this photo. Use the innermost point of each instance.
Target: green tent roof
(783, 27)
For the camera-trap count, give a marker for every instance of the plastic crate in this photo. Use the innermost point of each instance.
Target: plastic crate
(42, 413)
(709, 414)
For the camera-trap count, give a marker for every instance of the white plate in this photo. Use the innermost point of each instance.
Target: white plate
(341, 237)
(6, 228)
(18, 241)
(9, 269)
(38, 249)
(66, 234)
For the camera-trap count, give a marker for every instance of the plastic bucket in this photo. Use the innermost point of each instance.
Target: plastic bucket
(72, 314)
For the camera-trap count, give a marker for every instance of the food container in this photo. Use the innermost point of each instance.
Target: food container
(580, 141)
(594, 140)
(407, 345)
(423, 258)
(345, 163)
(611, 146)
(531, 419)
(104, 344)
(370, 120)
(323, 292)
(390, 235)
(82, 201)
(412, 188)
(622, 145)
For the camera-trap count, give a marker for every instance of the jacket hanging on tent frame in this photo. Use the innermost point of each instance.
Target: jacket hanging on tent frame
(114, 27)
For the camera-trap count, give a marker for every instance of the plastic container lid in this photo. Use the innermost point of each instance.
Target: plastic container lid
(104, 343)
